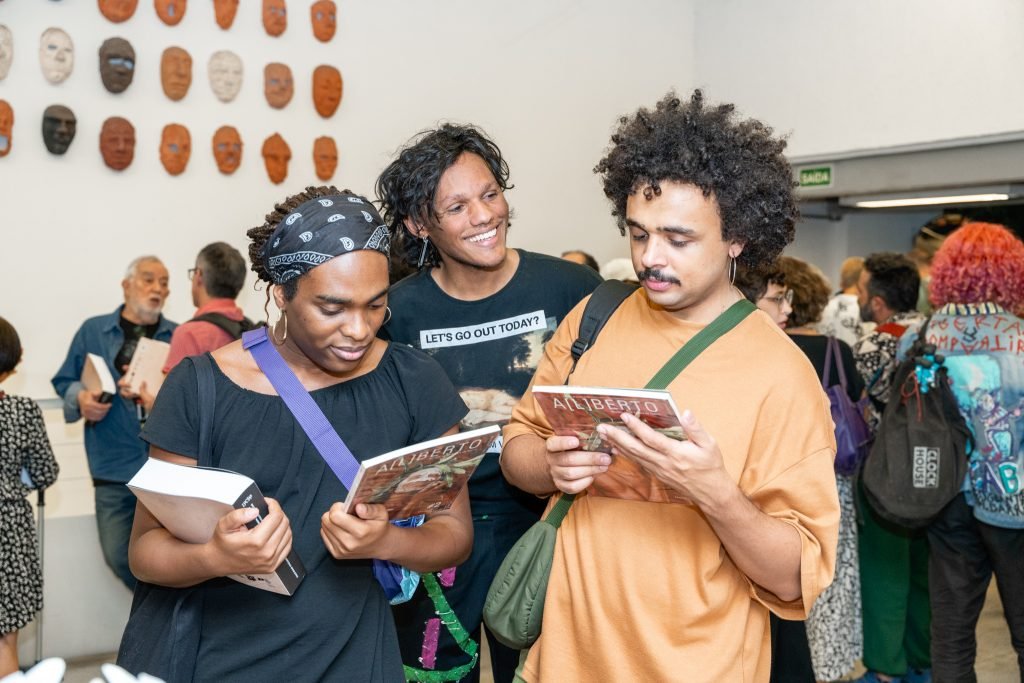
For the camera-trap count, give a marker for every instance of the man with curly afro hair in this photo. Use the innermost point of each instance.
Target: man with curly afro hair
(656, 591)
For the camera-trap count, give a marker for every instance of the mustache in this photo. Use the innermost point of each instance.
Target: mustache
(657, 276)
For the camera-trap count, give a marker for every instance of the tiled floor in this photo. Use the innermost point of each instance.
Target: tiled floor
(997, 662)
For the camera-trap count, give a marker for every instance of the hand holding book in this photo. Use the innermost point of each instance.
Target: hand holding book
(239, 548)
(362, 533)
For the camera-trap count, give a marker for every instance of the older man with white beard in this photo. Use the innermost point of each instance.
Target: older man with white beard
(112, 443)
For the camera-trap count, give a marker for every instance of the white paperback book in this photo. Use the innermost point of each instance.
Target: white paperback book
(147, 365)
(189, 501)
(96, 376)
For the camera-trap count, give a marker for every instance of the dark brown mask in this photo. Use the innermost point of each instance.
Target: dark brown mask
(227, 149)
(59, 125)
(117, 64)
(325, 157)
(323, 14)
(170, 11)
(175, 148)
(275, 17)
(117, 143)
(118, 10)
(326, 90)
(6, 128)
(175, 72)
(278, 86)
(276, 155)
(225, 10)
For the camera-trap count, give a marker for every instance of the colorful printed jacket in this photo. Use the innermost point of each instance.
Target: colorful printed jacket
(984, 349)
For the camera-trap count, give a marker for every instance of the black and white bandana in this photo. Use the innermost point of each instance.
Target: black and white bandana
(319, 230)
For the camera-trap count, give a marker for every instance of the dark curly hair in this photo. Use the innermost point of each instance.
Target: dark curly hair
(753, 282)
(259, 235)
(407, 187)
(737, 162)
(10, 347)
(810, 291)
(895, 279)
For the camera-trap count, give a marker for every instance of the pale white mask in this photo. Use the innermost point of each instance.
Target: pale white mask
(56, 55)
(225, 72)
(6, 51)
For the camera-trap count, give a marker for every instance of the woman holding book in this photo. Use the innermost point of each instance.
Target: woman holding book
(326, 254)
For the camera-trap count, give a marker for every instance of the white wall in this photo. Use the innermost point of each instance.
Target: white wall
(546, 78)
(853, 75)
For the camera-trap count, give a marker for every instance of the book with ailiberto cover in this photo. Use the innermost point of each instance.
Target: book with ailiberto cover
(577, 411)
(189, 501)
(423, 478)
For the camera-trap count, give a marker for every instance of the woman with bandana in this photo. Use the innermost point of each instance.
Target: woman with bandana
(325, 253)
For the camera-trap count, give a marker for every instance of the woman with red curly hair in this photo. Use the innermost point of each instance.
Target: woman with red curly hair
(977, 288)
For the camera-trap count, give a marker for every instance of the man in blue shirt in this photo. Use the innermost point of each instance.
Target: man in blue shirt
(112, 443)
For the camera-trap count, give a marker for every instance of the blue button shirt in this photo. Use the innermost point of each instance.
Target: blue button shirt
(112, 445)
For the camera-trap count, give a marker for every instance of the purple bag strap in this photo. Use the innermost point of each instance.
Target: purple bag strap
(830, 353)
(308, 414)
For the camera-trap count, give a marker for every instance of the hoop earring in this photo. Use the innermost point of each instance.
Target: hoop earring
(423, 252)
(283, 320)
(732, 270)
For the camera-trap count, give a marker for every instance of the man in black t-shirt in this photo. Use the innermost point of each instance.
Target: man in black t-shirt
(112, 444)
(484, 312)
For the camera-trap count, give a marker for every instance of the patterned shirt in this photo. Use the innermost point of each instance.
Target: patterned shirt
(841, 319)
(875, 355)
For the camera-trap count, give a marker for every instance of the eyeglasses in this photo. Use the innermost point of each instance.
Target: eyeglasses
(786, 296)
(192, 272)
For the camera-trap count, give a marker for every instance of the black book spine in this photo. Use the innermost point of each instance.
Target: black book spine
(291, 571)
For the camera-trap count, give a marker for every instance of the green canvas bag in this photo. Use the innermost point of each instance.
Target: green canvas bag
(514, 608)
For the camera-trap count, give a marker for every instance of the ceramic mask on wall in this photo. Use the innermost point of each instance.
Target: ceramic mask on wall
(56, 55)
(323, 14)
(224, 11)
(175, 148)
(326, 90)
(325, 157)
(278, 86)
(6, 51)
(275, 17)
(118, 10)
(171, 11)
(225, 73)
(59, 125)
(276, 155)
(117, 64)
(175, 72)
(6, 128)
(117, 143)
(227, 149)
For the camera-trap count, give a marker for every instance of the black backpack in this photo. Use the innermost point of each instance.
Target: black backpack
(918, 462)
(603, 302)
(233, 327)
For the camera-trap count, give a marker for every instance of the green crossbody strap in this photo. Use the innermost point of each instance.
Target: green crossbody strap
(730, 318)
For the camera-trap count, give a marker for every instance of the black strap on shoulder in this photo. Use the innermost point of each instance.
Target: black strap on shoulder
(233, 327)
(206, 400)
(604, 301)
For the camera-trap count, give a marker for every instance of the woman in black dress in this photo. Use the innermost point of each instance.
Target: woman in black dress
(325, 252)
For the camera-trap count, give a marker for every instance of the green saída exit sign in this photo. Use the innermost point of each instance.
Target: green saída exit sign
(819, 176)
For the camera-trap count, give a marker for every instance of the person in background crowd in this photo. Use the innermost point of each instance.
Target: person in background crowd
(112, 443)
(443, 198)
(619, 269)
(672, 591)
(26, 463)
(582, 258)
(926, 242)
(893, 561)
(833, 628)
(977, 288)
(765, 287)
(841, 317)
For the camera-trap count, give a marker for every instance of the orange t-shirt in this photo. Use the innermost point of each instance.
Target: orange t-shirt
(645, 591)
